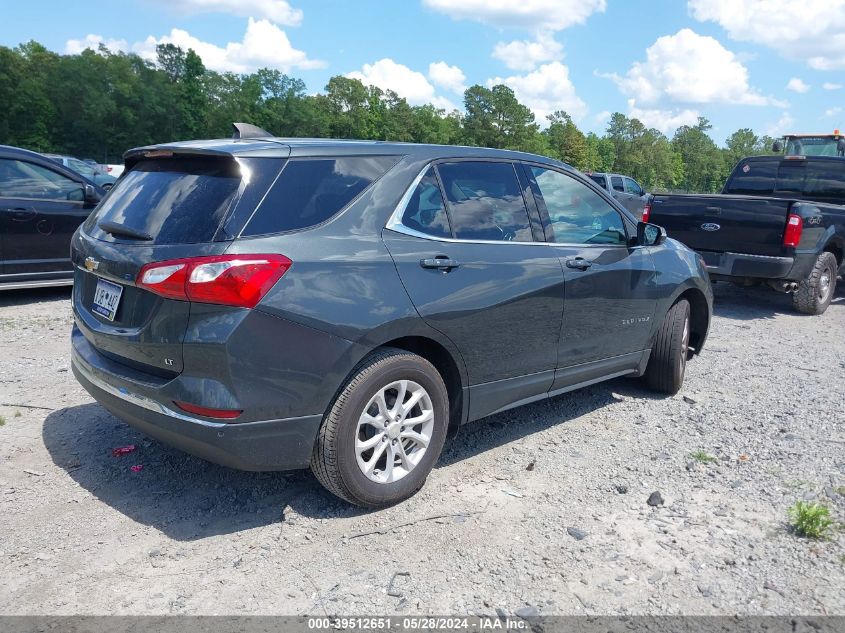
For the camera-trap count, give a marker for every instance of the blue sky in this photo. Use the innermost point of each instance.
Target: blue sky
(772, 65)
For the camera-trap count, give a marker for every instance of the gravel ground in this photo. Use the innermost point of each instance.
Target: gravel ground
(545, 506)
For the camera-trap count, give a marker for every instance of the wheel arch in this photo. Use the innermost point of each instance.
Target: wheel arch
(699, 316)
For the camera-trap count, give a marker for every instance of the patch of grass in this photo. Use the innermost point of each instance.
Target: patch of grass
(2, 421)
(810, 519)
(701, 456)
(840, 490)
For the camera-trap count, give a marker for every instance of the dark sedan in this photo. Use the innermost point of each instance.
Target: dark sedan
(41, 205)
(345, 305)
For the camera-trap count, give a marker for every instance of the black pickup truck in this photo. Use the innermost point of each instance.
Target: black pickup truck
(779, 220)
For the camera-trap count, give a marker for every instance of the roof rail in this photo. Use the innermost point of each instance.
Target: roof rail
(247, 130)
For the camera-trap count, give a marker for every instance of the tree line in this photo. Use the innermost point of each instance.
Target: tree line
(98, 104)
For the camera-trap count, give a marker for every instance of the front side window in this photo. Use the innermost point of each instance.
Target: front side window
(616, 182)
(485, 201)
(426, 212)
(578, 215)
(21, 179)
(632, 187)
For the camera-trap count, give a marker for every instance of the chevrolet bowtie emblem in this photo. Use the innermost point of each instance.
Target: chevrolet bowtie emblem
(91, 264)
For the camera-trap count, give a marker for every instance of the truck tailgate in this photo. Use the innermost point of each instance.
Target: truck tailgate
(723, 223)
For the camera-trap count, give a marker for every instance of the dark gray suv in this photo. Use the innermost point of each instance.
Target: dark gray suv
(275, 304)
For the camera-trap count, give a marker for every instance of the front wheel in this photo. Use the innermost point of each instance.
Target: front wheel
(668, 361)
(816, 291)
(385, 430)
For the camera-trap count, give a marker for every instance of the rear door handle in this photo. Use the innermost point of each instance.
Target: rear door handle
(579, 262)
(441, 262)
(20, 214)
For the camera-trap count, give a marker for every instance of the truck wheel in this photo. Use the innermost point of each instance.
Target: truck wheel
(384, 431)
(668, 361)
(816, 291)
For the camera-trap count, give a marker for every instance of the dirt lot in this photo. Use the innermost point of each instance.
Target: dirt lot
(546, 505)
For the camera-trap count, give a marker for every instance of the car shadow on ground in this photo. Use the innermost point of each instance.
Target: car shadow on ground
(188, 498)
(34, 295)
(760, 302)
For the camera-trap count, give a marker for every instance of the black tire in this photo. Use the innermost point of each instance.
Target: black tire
(668, 361)
(816, 291)
(335, 460)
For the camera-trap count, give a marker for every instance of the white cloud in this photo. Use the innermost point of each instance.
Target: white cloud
(689, 68)
(812, 31)
(667, 121)
(278, 11)
(263, 44)
(833, 111)
(537, 15)
(545, 90)
(74, 47)
(797, 85)
(448, 77)
(411, 84)
(526, 54)
(602, 118)
(831, 86)
(781, 127)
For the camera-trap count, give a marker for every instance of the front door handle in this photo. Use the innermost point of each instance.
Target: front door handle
(19, 214)
(579, 262)
(441, 262)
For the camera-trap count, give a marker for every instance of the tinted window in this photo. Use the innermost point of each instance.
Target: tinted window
(753, 178)
(174, 200)
(616, 181)
(601, 181)
(310, 191)
(425, 211)
(791, 177)
(633, 187)
(578, 215)
(825, 181)
(21, 179)
(485, 201)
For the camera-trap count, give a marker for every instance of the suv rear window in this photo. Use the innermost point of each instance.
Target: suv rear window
(179, 200)
(310, 191)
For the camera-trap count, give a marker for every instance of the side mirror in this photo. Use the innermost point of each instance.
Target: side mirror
(91, 195)
(777, 147)
(650, 234)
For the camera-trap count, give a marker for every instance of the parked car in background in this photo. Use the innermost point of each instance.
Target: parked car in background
(345, 305)
(114, 170)
(91, 172)
(779, 220)
(41, 205)
(625, 189)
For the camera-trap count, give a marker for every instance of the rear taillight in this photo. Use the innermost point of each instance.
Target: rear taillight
(232, 280)
(220, 414)
(794, 227)
(646, 212)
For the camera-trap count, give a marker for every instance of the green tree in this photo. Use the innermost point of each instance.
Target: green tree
(566, 141)
(704, 164)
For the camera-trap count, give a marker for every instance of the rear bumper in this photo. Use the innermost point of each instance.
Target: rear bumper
(744, 265)
(284, 444)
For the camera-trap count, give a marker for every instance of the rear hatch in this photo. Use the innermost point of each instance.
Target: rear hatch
(723, 223)
(168, 205)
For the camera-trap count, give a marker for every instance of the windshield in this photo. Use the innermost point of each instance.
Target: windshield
(812, 146)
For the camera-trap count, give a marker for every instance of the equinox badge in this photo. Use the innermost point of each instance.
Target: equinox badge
(91, 264)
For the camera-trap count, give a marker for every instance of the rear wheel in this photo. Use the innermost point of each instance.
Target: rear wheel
(668, 361)
(815, 293)
(384, 431)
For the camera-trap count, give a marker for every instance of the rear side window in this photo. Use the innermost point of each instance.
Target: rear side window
(753, 178)
(425, 211)
(485, 201)
(599, 180)
(616, 182)
(310, 191)
(173, 200)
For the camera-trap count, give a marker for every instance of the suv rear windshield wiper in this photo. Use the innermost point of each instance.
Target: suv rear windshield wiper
(119, 230)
